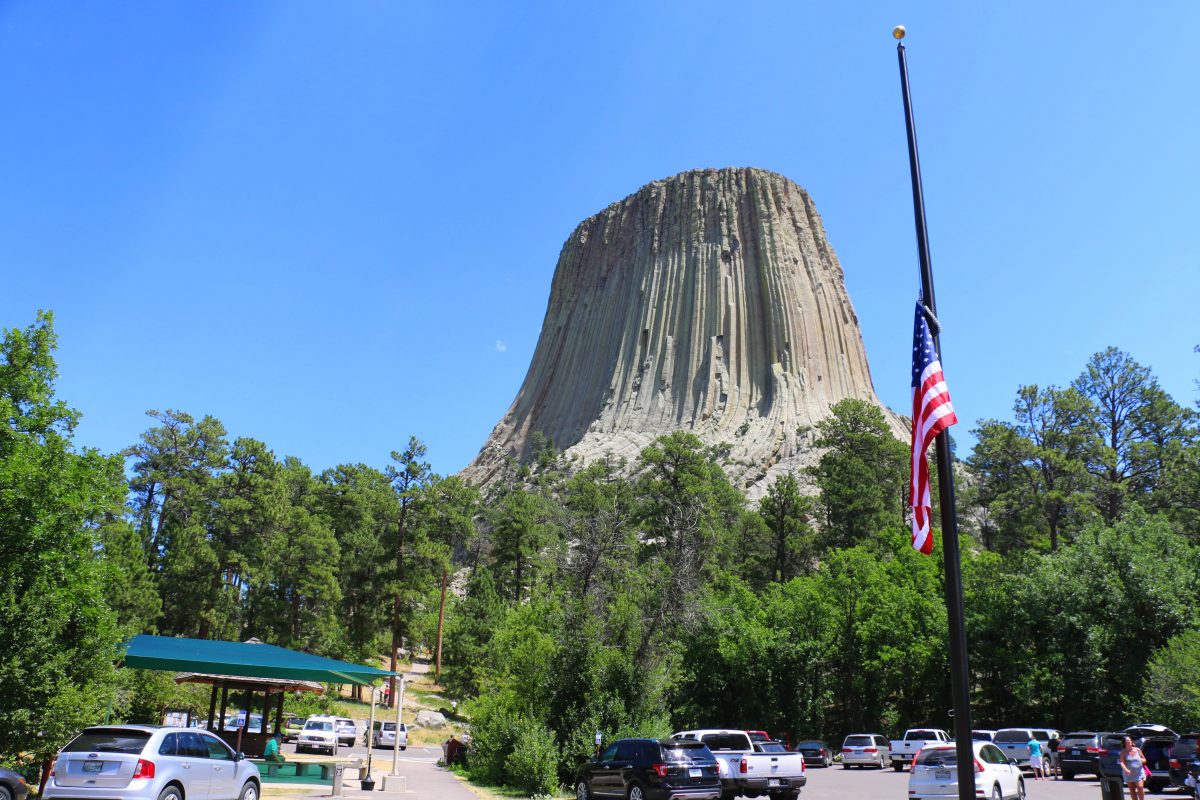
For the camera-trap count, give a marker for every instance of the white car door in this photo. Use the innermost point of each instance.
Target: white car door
(223, 785)
(996, 765)
(189, 757)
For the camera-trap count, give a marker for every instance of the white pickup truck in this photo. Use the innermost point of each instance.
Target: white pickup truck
(746, 771)
(903, 750)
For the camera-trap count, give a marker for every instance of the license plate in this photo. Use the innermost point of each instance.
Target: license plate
(773, 782)
(1076, 752)
(695, 773)
(93, 766)
(941, 774)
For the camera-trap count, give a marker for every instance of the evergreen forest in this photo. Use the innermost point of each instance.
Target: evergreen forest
(623, 598)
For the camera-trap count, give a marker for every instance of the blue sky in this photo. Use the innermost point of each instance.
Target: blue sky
(334, 225)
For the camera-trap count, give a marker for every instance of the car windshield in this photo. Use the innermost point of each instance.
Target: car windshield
(981, 736)
(809, 745)
(316, 725)
(1012, 736)
(858, 741)
(938, 757)
(108, 740)
(389, 726)
(1084, 739)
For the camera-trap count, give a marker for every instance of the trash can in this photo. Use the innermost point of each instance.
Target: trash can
(1111, 788)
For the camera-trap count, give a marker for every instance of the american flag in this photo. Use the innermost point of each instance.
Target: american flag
(932, 414)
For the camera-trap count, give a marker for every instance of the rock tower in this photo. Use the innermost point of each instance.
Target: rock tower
(709, 302)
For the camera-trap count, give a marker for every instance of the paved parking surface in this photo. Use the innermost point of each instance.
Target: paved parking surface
(836, 783)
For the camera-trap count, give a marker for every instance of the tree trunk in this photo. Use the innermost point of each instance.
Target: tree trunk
(437, 664)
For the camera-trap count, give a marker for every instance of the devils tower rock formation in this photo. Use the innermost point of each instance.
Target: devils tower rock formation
(709, 302)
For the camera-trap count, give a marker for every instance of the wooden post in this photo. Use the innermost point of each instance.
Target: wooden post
(224, 707)
(212, 707)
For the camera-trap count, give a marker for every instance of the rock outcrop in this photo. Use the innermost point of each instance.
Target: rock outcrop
(709, 302)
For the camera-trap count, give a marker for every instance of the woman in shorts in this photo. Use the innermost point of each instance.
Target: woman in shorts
(1133, 767)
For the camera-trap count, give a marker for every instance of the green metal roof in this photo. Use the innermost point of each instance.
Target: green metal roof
(244, 659)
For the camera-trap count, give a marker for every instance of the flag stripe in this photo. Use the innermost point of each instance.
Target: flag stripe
(932, 413)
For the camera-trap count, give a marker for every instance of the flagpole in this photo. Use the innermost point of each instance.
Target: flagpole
(959, 675)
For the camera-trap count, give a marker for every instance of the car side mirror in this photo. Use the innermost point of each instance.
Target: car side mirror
(240, 757)
(1012, 762)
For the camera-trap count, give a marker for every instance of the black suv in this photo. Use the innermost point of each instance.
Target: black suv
(1155, 741)
(815, 753)
(1079, 752)
(1182, 755)
(650, 769)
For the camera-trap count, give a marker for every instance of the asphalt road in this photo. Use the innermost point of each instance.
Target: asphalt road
(836, 783)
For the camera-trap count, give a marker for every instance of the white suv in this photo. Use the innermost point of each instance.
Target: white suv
(146, 762)
(319, 733)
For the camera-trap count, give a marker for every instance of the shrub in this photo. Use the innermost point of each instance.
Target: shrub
(532, 766)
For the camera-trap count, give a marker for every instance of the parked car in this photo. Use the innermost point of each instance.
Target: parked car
(148, 762)
(983, 735)
(318, 734)
(346, 732)
(1079, 753)
(13, 783)
(1182, 755)
(815, 753)
(901, 751)
(650, 769)
(935, 773)
(292, 727)
(384, 735)
(746, 772)
(864, 750)
(1014, 742)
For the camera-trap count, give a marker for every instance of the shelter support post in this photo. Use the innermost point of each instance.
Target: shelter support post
(224, 708)
(212, 707)
(399, 701)
(279, 714)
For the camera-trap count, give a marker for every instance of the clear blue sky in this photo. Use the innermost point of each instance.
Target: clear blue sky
(333, 225)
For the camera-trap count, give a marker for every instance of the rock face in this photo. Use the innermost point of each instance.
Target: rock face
(709, 302)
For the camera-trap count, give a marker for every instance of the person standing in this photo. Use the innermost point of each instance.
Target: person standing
(1133, 767)
(1035, 758)
(1050, 759)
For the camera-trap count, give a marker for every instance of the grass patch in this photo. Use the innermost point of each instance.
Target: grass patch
(487, 792)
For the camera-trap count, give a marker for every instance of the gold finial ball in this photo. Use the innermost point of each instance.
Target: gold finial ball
(898, 32)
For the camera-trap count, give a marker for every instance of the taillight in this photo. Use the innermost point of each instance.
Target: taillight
(847, 750)
(742, 766)
(144, 769)
(870, 750)
(1095, 749)
(1174, 763)
(917, 755)
(821, 752)
(661, 769)
(978, 766)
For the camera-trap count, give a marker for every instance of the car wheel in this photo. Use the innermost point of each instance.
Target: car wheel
(636, 793)
(898, 766)
(1020, 790)
(996, 793)
(249, 791)
(5, 794)
(170, 793)
(882, 762)
(1068, 776)
(581, 791)
(828, 761)
(404, 747)
(845, 765)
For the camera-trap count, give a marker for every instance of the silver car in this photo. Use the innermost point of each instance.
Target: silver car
(384, 735)
(148, 762)
(865, 750)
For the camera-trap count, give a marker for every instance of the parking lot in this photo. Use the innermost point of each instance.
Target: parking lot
(836, 783)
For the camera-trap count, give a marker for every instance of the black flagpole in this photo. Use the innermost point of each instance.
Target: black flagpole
(959, 676)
